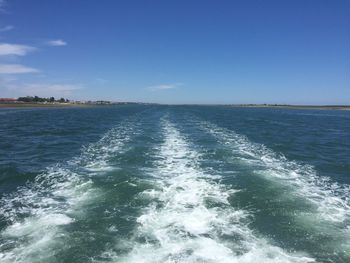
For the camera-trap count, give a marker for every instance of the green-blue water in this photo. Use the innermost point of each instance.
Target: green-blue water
(174, 184)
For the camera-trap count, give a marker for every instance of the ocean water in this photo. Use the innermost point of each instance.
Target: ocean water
(138, 183)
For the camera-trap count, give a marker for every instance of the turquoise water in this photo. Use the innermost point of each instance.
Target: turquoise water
(174, 184)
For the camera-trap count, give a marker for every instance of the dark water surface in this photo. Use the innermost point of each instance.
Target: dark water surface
(174, 184)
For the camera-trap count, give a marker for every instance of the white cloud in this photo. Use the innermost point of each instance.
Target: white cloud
(3, 5)
(14, 49)
(13, 88)
(56, 43)
(49, 89)
(16, 69)
(164, 87)
(6, 28)
(101, 81)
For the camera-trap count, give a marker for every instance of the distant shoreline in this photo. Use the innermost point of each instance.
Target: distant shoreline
(85, 105)
(41, 105)
(297, 107)
(275, 106)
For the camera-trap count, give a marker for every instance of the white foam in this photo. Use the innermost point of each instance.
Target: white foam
(330, 199)
(45, 206)
(180, 225)
(37, 212)
(95, 157)
(31, 225)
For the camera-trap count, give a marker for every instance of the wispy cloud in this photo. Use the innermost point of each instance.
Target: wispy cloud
(14, 49)
(101, 80)
(57, 43)
(47, 89)
(164, 87)
(15, 88)
(6, 28)
(16, 69)
(3, 5)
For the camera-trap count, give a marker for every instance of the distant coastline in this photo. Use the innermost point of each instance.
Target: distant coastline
(38, 102)
(58, 105)
(16, 104)
(276, 106)
(41, 105)
(299, 107)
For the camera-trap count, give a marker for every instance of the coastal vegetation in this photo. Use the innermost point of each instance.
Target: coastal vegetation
(36, 99)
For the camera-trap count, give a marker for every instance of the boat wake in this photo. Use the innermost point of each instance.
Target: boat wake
(330, 199)
(37, 213)
(189, 218)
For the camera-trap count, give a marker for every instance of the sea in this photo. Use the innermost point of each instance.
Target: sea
(164, 183)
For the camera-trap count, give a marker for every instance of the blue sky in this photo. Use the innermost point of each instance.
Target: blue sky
(177, 51)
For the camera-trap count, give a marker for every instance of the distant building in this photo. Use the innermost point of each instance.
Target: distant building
(7, 100)
(102, 102)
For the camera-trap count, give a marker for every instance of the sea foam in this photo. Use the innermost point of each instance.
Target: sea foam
(37, 213)
(330, 198)
(189, 218)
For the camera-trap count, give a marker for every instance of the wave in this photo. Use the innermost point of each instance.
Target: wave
(36, 213)
(190, 218)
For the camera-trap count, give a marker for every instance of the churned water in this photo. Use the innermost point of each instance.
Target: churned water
(138, 183)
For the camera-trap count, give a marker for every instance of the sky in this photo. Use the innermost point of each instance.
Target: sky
(184, 51)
